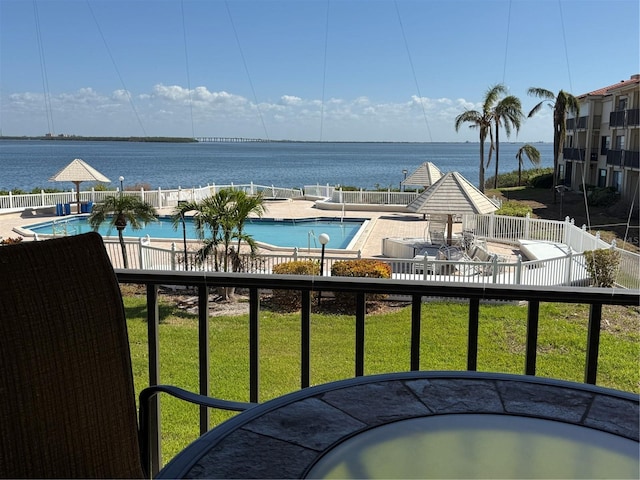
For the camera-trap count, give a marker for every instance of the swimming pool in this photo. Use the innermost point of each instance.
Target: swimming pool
(301, 233)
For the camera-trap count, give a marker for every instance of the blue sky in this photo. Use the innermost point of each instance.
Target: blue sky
(332, 70)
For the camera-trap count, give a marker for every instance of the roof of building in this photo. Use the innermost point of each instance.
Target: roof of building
(425, 175)
(634, 79)
(452, 194)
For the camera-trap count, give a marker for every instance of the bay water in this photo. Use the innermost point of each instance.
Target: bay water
(28, 164)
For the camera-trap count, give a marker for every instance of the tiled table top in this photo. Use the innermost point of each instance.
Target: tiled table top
(283, 438)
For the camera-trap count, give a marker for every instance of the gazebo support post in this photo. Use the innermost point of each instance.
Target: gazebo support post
(449, 228)
(78, 195)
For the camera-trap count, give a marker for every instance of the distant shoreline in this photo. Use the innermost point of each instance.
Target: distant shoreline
(103, 139)
(194, 140)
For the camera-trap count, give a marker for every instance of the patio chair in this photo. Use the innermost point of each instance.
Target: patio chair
(68, 405)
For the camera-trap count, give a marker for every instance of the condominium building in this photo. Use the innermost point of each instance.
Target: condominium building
(602, 145)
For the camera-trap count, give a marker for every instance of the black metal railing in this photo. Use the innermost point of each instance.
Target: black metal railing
(617, 119)
(416, 291)
(631, 159)
(570, 153)
(624, 118)
(614, 157)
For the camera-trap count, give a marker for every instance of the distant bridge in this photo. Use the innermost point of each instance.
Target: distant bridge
(229, 139)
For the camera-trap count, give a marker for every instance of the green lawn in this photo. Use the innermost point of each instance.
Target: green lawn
(561, 351)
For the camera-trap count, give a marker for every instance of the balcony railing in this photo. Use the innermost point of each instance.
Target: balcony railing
(413, 291)
(625, 118)
(617, 119)
(631, 159)
(614, 157)
(574, 153)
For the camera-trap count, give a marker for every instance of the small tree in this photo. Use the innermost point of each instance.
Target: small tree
(532, 153)
(120, 211)
(602, 266)
(219, 222)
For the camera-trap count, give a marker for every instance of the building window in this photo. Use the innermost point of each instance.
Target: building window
(605, 144)
(620, 142)
(602, 177)
(622, 104)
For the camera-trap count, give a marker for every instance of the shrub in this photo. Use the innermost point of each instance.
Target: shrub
(602, 197)
(11, 241)
(286, 300)
(544, 180)
(367, 268)
(602, 266)
(514, 209)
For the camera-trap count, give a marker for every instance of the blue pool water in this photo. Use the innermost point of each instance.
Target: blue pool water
(301, 233)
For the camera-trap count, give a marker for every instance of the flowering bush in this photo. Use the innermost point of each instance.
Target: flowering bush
(288, 300)
(366, 268)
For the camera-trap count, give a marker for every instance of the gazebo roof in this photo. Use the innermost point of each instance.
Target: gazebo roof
(79, 171)
(452, 194)
(425, 175)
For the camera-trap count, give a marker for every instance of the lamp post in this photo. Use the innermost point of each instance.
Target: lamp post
(323, 238)
(121, 184)
(404, 172)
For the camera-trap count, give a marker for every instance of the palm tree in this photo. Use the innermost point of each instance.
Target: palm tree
(482, 120)
(120, 211)
(178, 218)
(507, 113)
(219, 221)
(532, 153)
(244, 206)
(562, 103)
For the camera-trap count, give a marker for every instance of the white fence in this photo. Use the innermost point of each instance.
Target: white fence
(373, 198)
(158, 198)
(568, 270)
(511, 229)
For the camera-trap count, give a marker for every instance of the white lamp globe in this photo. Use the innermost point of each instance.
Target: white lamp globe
(323, 238)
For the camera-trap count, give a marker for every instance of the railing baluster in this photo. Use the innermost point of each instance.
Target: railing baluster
(254, 336)
(533, 314)
(203, 353)
(305, 340)
(593, 343)
(360, 317)
(416, 310)
(472, 341)
(153, 320)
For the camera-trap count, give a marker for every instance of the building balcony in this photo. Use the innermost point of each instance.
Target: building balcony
(625, 118)
(614, 157)
(413, 292)
(577, 154)
(631, 159)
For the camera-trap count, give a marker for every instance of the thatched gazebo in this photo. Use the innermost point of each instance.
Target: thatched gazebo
(76, 172)
(452, 195)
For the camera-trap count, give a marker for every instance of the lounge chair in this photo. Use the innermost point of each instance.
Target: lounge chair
(68, 405)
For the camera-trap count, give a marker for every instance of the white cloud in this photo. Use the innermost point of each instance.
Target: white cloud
(172, 109)
(290, 100)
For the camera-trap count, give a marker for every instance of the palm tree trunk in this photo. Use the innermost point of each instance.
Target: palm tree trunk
(125, 259)
(495, 178)
(481, 175)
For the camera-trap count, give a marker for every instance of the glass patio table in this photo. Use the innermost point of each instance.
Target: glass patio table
(426, 425)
